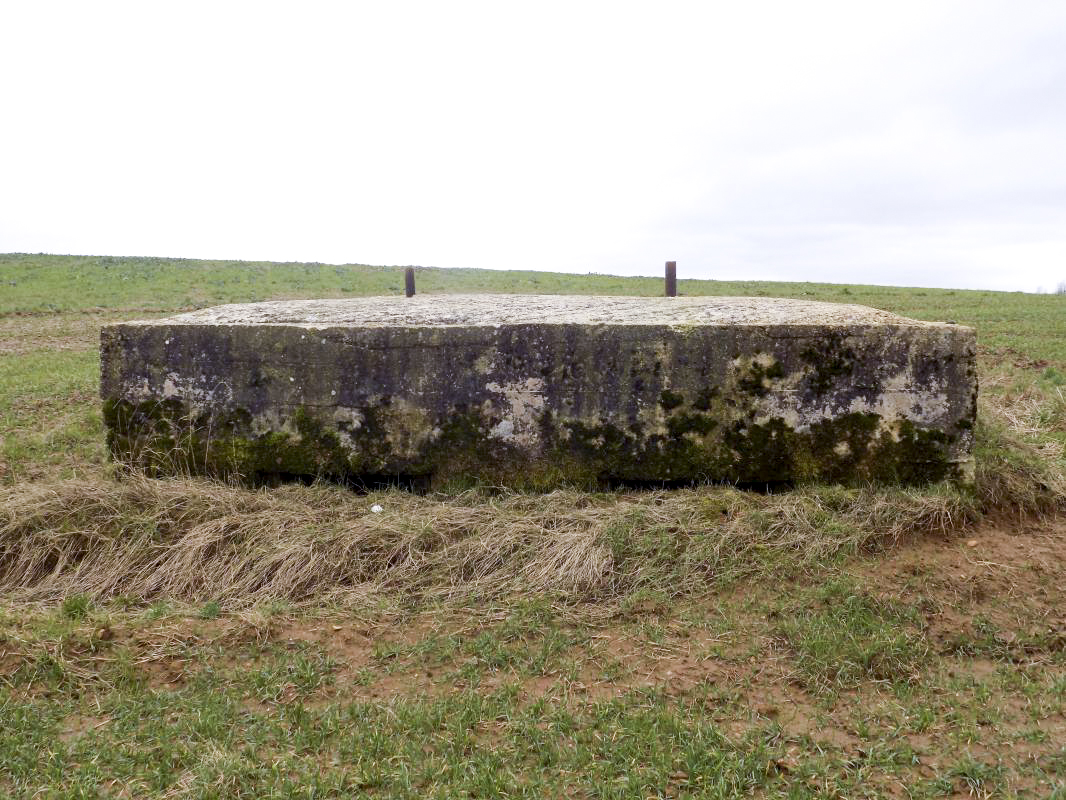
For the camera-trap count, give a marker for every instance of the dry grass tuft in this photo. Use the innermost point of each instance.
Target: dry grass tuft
(1019, 455)
(194, 540)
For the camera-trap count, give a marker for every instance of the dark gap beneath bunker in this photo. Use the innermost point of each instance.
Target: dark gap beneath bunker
(358, 484)
(422, 484)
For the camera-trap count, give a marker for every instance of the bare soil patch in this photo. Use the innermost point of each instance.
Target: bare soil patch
(66, 332)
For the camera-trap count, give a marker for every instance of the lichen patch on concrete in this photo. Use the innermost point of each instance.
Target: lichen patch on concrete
(484, 310)
(522, 406)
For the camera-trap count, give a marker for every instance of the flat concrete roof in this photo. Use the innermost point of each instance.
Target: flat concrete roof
(472, 310)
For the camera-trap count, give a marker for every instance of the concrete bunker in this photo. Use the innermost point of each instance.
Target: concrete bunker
(542, 391)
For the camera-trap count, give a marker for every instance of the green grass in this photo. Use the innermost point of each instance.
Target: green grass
(732, 645)
(470, 744)
(174, 708)
(842, 636)
(49, 414)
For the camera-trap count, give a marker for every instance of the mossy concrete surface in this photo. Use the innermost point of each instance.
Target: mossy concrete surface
(538, 391)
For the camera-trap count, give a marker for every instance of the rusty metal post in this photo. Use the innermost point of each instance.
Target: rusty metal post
(671, 279)
(409, 281)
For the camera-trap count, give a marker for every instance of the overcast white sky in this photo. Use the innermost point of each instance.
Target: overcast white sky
(909, 143)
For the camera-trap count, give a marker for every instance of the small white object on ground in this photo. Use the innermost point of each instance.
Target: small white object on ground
(376, 508)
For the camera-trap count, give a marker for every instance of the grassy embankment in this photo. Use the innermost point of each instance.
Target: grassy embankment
(179, 638)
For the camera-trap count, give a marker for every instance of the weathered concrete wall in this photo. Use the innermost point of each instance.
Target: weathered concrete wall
(534, 391)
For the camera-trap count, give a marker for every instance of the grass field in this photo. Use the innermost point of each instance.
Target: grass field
(188, 639)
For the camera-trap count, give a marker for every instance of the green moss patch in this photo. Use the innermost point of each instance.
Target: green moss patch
(692, 445)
